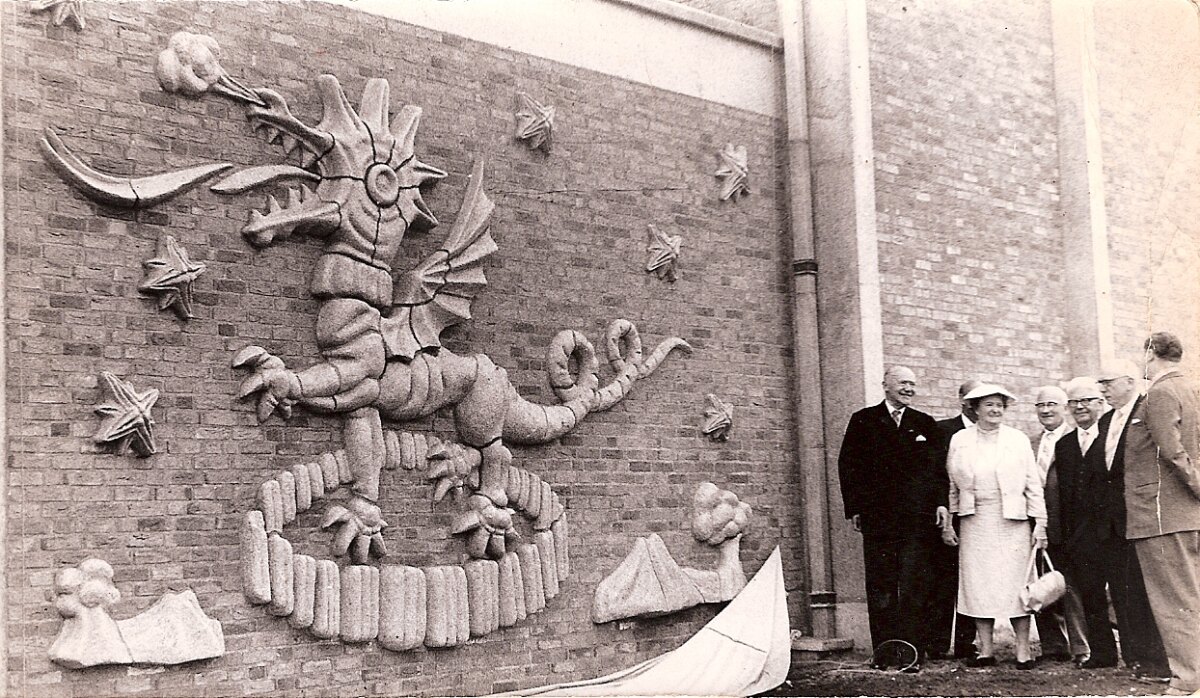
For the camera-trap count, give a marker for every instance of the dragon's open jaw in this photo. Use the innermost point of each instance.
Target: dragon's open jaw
(278, 124)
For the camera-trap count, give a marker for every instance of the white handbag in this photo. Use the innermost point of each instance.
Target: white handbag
(1040, 592)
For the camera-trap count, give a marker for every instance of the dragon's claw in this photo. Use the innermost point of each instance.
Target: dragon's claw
(359, 530)
(277, 386)
(488, 526)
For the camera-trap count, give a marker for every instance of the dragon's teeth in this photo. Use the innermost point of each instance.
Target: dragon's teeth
(256, 216)
(304, 192)
(294, 198)
(307, 157)
(273, 205)
(288, 143)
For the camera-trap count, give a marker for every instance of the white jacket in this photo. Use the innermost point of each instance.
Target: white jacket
(1020, 481)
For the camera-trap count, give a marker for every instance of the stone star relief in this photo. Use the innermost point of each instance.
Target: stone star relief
(734, 172)
(62, 11)
(127, 421)
(535, 123)
(718, 418)
(664, 254)
(170, 275)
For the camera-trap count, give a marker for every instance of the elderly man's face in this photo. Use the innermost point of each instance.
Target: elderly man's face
(1086, 404)
(900, 385)
(1118, 391)
(1051, 410)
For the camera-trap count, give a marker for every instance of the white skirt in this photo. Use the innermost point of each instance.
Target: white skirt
(993, 556)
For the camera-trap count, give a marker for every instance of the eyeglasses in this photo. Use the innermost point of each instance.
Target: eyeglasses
(1081, 401)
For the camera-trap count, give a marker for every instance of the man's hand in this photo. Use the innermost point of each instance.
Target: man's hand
(856, 521)
(949, 537)
(943, 518)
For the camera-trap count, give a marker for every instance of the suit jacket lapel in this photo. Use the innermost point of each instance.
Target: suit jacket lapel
(1118, 468)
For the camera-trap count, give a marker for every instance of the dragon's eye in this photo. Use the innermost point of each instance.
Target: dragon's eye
(383, 185)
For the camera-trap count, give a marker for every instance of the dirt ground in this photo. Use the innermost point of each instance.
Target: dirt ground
(851, 676)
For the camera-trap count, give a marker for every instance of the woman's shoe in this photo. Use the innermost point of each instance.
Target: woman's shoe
(1027, 664)
(979, 662)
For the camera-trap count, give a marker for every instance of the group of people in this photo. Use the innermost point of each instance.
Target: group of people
(957, 515)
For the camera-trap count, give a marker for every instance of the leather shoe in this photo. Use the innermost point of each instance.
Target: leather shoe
(1080, 659)
(1027, 664)
(979, 662)
(1094, 663)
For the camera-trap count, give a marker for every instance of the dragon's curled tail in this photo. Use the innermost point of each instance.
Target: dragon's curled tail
(530, 423)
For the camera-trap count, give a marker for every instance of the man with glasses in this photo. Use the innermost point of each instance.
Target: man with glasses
(1089, 520)
(1162, 501)
(1060, 625)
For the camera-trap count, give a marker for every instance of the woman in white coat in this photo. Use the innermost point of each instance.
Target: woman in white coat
(996, 490)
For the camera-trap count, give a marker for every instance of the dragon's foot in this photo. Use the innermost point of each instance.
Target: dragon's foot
(360, 529)
(453, 467)
(490, 528)
(276, 385)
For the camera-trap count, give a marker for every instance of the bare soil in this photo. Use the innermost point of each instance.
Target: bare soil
(851, 676)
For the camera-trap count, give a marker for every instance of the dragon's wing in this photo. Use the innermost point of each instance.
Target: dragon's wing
(438, 292)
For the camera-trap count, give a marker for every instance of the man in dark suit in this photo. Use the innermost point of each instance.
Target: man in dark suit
(895, 492)
(1141, 646)
(945, 560)
(1162, 503)
(1061, 624)
(1092, 518)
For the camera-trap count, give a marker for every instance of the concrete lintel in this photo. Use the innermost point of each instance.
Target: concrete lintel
(651, 42)
(707, 20)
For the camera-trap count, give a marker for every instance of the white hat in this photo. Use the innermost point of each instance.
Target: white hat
(985, 389)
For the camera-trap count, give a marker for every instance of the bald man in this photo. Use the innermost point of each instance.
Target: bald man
(896, 493)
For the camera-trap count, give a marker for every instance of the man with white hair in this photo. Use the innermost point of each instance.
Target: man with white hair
(1060, 626)
(1088, 518)
(1141, 646)
(895, 492)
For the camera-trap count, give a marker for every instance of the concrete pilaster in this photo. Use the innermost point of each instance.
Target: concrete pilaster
(846, 250)
(1088, 296)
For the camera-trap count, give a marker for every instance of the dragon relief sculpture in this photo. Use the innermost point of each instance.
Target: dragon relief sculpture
(379, 337)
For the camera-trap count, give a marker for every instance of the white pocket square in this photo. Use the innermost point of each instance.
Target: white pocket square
(1135, 420)
(921, 437)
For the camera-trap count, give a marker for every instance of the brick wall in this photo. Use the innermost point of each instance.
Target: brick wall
(966, 196)
(571, 229)
(1146, 65)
